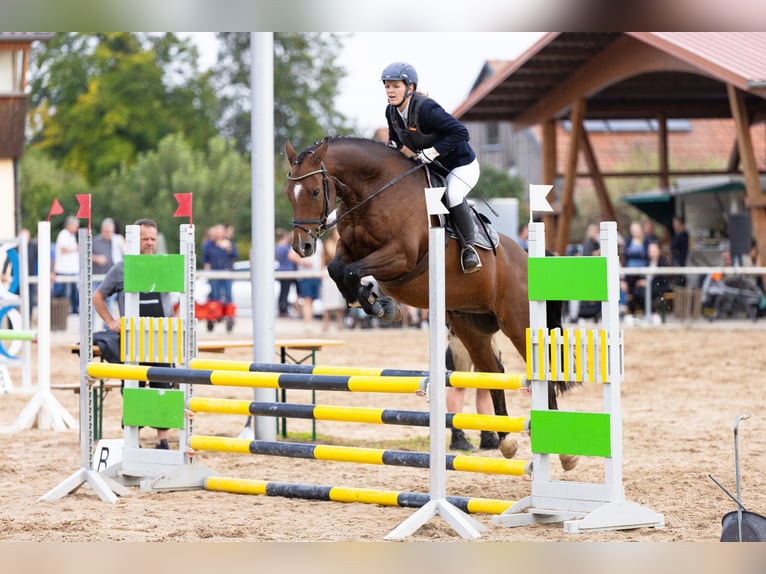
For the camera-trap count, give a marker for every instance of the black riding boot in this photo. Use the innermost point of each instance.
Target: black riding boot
(459, 442)
(463, 222)
(489, 440)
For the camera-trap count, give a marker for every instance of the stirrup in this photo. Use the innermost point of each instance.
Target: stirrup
(466, 253)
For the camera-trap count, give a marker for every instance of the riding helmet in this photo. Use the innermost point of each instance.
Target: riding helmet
(400, 71)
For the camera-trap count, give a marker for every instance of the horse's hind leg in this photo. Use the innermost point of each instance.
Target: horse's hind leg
(475, 332)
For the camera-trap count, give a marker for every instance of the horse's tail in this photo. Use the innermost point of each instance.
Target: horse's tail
(554, 314)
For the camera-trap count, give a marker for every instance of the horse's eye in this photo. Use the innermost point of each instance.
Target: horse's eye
(315, 193)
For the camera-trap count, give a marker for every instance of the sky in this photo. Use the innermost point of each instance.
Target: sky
(447, 63)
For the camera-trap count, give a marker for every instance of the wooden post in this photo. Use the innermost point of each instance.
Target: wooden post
(754, 197)
(549, 170)
(570, 177)
(605, 203)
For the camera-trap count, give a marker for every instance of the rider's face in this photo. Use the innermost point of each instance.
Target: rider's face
(397, 92)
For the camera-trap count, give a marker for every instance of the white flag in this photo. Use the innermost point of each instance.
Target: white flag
(434, 203)
(537, 198)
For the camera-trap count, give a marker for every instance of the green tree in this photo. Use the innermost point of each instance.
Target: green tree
(219, 178)
(42, 180)
(306, 79)
(494, 182)
(99, 100)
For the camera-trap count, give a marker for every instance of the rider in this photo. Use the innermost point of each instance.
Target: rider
(421, 129)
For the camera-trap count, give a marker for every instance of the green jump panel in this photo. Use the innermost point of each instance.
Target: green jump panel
(159, 408)
(154, 273)
(562, 432)
(567, 279)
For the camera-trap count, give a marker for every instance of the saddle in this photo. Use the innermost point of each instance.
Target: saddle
(485, 236)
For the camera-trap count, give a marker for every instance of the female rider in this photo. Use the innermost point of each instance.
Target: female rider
(420, 128)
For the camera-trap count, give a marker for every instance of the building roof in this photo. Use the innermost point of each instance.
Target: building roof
(26, 36)
(624, 75)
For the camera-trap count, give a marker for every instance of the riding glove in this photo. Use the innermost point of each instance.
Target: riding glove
(428, 155)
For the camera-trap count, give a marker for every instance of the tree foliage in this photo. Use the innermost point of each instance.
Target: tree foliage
(130, 118)
(218, 177)
(99, 100)
(41, 180)
(306, 78)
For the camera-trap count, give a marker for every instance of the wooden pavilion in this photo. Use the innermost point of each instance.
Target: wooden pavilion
(660, 76)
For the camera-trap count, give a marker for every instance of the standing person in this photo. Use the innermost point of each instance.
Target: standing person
(284, 263)
(108, 249)
(309, 287)
(420, 128)
(457, 359)
(635, 256)
(679, 246)
(150, 304)
(523, 236)
(333, 302)
(67, 263)
(219, 254)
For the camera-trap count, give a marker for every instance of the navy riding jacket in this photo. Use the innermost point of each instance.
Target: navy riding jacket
(429, 125)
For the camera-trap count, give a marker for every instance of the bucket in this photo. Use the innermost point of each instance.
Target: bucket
(753, 527)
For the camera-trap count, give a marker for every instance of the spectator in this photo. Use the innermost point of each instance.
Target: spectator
(333, 302)
(523, 236)
(150, 305)
(219, 254)
(591, 245)
(457, 359)
(67, 263)
(309, 287)
(679, 247)
(108, 249)
(660, 284)
(10, 275)
(634, 253)
(284, 263)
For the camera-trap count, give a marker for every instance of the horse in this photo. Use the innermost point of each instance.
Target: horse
(383, 225)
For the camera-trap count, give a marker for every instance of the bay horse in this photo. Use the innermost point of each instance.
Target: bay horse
(383, 226)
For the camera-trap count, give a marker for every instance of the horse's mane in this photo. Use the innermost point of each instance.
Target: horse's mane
(358, 142)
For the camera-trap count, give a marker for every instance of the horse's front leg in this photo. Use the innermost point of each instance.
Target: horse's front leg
(381, 306)
(337, 270)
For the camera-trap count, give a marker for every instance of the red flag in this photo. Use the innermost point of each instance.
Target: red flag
(84, 200)
(56, 209)
(184, 205)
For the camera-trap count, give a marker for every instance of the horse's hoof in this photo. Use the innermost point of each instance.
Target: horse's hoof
(508, 447)
(568, 461)
(390, 310)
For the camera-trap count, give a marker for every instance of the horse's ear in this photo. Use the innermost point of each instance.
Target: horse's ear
(320, 150)
(291, 153)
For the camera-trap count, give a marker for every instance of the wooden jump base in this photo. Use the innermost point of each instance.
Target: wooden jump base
(463, 421)
(345, 494)
(358, 455)
(458, 379)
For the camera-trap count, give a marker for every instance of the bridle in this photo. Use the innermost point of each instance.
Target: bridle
(321, 223)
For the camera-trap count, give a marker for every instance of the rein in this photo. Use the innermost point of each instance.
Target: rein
(394, 181)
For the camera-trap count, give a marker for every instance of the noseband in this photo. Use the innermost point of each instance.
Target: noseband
(320, 223)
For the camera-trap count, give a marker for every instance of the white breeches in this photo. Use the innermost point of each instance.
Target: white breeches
(460, 181)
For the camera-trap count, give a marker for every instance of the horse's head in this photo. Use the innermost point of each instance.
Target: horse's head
(311, 194)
